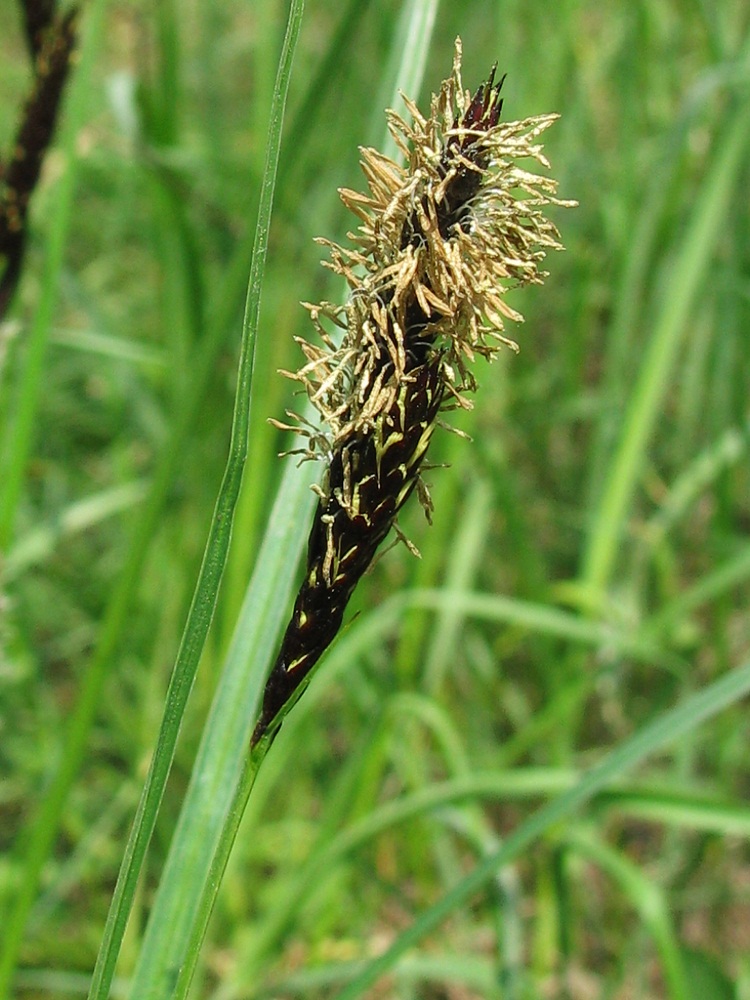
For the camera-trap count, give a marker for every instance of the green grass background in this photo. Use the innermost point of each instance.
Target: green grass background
(587, 570)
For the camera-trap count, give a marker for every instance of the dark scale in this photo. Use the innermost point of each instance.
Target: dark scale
(373, 474)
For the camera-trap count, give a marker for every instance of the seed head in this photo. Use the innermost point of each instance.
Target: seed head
(441, 239)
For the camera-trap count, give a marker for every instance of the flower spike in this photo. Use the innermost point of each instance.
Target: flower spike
(441, 238)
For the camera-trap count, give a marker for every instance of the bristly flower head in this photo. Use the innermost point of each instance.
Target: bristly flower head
(440, 240)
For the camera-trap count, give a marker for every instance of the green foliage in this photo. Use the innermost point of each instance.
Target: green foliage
(522, 769)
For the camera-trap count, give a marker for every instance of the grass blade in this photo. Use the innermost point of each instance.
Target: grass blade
(203, 605)
(708, 219)
(156, 963)
(651, 738)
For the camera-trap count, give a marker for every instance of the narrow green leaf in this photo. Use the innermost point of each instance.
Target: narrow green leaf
(174, 944)
(695, 253)
(668, 727)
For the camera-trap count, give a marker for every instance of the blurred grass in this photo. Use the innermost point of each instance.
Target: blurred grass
(553, 655)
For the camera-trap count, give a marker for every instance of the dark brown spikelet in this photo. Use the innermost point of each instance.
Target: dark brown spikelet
(439, 238)
(51, 44)
(369, 479)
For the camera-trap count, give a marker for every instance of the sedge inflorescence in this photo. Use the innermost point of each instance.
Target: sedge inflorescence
(441, 239)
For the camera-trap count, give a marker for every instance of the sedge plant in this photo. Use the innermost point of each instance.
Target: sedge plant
(444, 235)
